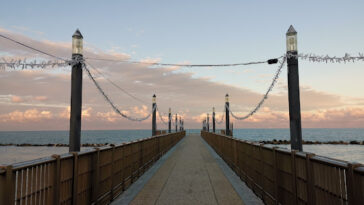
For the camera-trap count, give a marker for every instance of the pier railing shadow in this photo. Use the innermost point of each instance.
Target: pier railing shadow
(281, 176)
(90, 177)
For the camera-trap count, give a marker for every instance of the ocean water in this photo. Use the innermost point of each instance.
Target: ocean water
(62, 137)
(12, 154)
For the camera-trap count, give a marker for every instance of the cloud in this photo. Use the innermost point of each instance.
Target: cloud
(40, 98)
(49, 90)
(17, 99)
(28, 115)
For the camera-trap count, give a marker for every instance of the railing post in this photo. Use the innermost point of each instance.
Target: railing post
(75, 178)
(57, 179)
(275, 174)
(227, 116)
(310, 180)
(213, 120)
(7, 186)
(294, 90)
(169, 121)
(294, 174)
(261, 160)
(154, 117)
(350, 183)
(95, 174)
(76, 93)
(112, 172)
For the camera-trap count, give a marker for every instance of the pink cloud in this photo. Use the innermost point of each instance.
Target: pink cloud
(40, 98)
(179, 90)
(33, 115)
(17, 99)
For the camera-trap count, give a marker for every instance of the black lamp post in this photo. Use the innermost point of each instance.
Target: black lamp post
(154, 117)
(76, 93)
(169, 120)
(176, 123)
(293, 90)
(227, 116)
(213, 119)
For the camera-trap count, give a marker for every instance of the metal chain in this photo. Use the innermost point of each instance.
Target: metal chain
(261, 102)
(222, 118)
(111, 103)
(161, 117)
(115, 85)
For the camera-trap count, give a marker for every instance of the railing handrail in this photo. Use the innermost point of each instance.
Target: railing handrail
(103, 173)
(285, 176)
(43, 160)
(318, 158)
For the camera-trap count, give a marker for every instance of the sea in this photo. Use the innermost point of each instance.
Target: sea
(14, 154)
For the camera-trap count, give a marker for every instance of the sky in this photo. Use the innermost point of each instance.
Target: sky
(198, 32)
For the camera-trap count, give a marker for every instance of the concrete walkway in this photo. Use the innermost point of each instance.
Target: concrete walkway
(190, 175)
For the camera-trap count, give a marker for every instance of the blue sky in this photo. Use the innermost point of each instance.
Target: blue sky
(210, 32)
(201, 31)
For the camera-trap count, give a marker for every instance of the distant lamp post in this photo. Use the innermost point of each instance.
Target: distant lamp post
(213, 119)
(227, 116)
(294, 90)
(76, 93)
(169, 120)
(154, 117)
(176, 122)
(208, 122)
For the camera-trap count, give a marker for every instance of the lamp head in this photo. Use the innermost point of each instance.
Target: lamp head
(227, 98)
(77, 43)
(291, 37)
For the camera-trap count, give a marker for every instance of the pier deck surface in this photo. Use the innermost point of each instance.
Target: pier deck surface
(190, 175)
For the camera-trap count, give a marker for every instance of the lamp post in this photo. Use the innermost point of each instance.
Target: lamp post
(169, 121)
(227, 117)
(213, 119)
(293, 90)
(154, 117)
(208, 122)
(76, 93)
(176, 122)
(180, 123)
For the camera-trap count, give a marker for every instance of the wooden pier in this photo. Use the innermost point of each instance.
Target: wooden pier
(190, 175)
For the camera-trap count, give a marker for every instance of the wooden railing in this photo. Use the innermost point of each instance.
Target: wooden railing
(290, 177)
(97, 176)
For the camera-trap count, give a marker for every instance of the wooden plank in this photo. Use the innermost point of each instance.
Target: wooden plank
(33, 184)
(24, 186)
(38, 184)
(18, 186)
